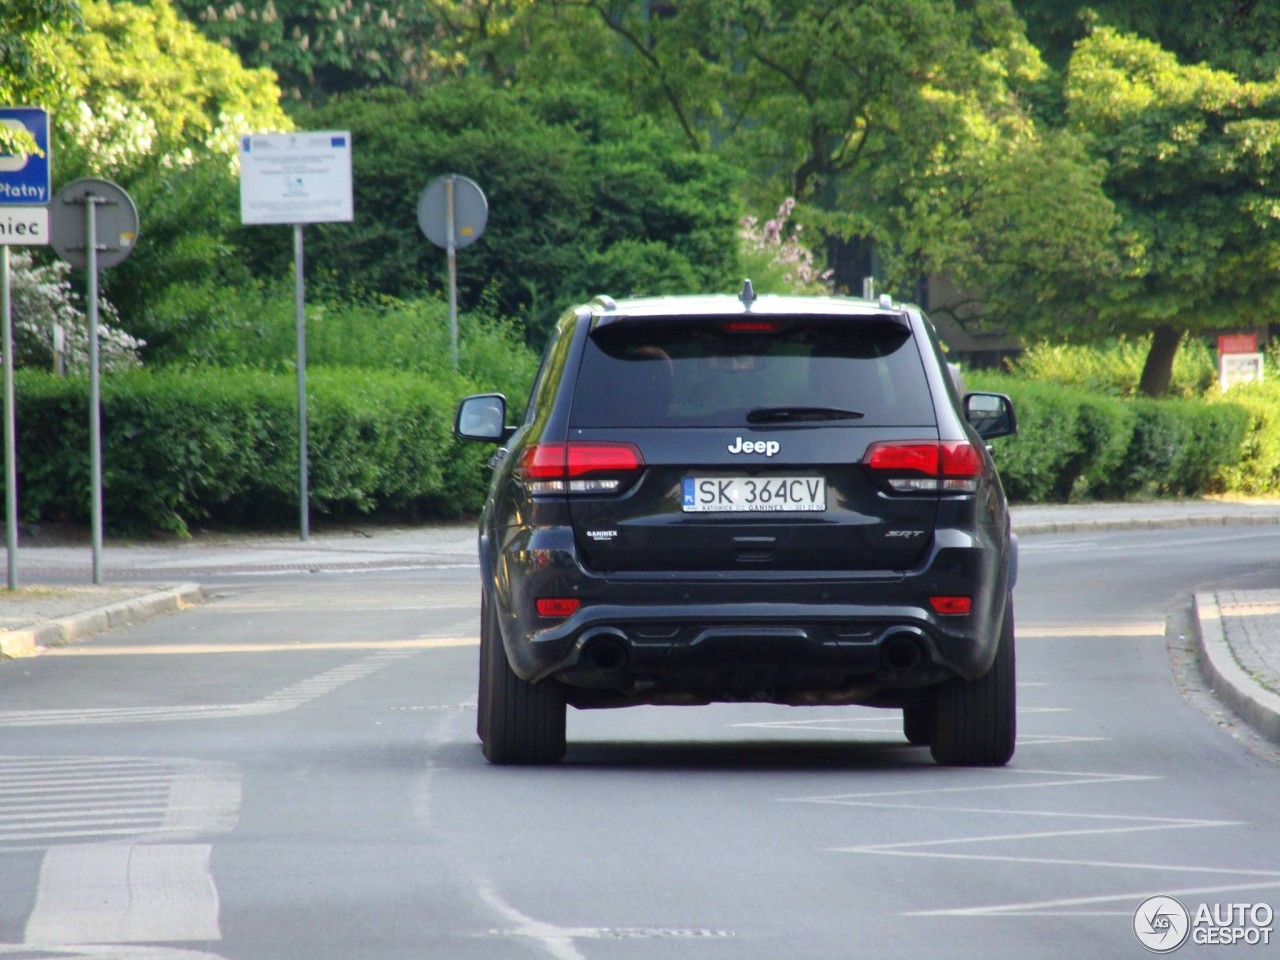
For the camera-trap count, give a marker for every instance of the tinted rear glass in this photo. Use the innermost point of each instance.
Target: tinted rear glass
(692, 373)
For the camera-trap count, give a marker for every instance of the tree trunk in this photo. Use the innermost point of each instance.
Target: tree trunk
(1157, 372)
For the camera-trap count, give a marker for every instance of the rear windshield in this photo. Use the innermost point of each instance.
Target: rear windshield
(669, 373)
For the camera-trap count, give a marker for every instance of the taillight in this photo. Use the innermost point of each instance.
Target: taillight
(579, 467)
(942, 466)
(556, 608)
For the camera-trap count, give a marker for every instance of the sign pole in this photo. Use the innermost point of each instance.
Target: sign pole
(299, 295)
(452, 212)
(95, 391)
(450, 242)
(10, 447)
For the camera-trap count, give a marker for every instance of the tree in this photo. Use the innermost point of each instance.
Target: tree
(902, 128)
(30, 74)
(1240, 36)
(322, 47)
(1192, 155)
(142, 82)
(584, 198)
(144, 99)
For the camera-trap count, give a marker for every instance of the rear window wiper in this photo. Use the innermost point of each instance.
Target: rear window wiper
(799, 414)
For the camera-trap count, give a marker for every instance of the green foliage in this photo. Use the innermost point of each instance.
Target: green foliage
(322, 47)
(1191, 154)
(190, 274)
(142, 82)
(900, 123)
(258, 328)
(1257, 471)
(30, 73)
(1078, 445)
(569, 174)
(1114, 367)
(1242, 36)
(181, 447)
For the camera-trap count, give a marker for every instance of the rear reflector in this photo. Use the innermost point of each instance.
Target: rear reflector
(557, 607)
(951, 606)
(948, 466)
(579, 467)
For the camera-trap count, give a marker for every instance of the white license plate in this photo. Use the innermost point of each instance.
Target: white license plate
(754, 495)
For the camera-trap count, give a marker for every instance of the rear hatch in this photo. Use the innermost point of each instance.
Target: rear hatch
(745, 444)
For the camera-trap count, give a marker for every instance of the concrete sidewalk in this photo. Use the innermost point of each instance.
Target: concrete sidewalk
(1239, 630)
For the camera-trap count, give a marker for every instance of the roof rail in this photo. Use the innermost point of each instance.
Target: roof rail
(885, 301)
(605, 303)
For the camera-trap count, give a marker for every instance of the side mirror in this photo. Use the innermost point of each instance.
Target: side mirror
(482, 417)
(991, 414)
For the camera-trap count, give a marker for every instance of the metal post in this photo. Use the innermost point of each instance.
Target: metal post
(299, 294)
(453, 270)
(95, 405)
(10, 447)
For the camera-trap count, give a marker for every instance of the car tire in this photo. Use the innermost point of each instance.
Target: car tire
(519, 722)
(975, 722)
(917, 725)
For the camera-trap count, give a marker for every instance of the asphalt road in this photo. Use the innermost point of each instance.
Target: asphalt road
(291, 771)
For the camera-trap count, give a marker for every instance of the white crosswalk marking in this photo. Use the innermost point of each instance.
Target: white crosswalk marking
(46, 801)
(125, 893)
(121, 865)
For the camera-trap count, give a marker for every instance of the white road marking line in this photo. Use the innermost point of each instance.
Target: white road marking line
(169, 649)
(289, 698)
(118, 893)
(1059, 778)
(1050, 908)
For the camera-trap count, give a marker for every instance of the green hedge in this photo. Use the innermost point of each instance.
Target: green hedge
(213, 445)
(1076, 445)
(221, 445)
(1257, 472)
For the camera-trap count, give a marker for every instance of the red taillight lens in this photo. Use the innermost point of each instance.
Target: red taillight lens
(579, 467)
(916, 457)
(951, 606)
(960, 459)
(948, 466)
(557, 607)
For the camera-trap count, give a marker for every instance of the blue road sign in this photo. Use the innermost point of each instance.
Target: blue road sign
(24, 178)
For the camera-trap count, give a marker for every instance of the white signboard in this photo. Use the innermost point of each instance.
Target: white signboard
(24, 226)
(1239, 368)
(296, 177)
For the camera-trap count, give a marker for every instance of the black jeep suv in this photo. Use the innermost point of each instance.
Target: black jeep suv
(717, 498)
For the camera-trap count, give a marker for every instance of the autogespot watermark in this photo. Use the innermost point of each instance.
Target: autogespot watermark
(1163, 924)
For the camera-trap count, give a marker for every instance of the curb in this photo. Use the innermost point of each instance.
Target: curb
(34, 640)
(1138, 523)
(1252, 701)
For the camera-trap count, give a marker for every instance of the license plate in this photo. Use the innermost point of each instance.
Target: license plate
(754, 495)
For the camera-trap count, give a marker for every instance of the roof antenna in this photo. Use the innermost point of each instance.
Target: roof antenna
(748, 294)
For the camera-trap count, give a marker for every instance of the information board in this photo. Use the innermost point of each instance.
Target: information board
(296, 177)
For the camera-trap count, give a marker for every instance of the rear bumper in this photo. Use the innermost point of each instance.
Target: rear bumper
(784, 637)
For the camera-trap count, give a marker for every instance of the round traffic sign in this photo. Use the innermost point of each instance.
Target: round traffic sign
(470, 211)
(115, 222)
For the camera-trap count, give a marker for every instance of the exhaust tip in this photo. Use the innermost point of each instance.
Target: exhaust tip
(901, 650)
(605, 650)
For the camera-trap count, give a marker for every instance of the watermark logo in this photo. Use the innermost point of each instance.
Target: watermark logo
(1161, 924)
